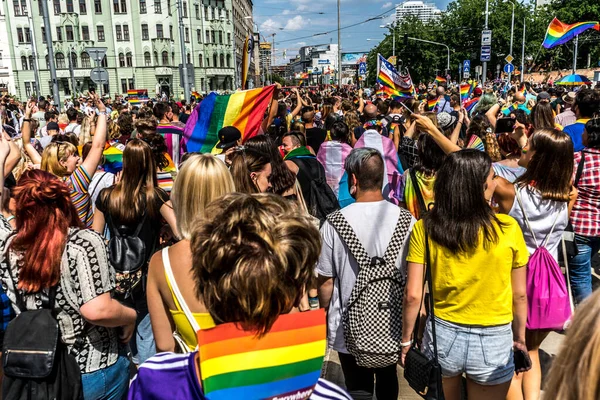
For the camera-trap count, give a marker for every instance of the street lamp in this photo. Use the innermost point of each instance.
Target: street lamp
(439, 44)
(512, 31)
(392, 25)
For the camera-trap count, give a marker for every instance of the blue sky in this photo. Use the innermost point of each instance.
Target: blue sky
(294, 23)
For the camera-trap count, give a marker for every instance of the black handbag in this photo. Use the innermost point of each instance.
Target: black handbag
(421, 373)
(127, 253)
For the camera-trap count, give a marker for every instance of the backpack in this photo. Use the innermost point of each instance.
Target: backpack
(373, 316)
(321, 200)
(548, 300)
(37, 365)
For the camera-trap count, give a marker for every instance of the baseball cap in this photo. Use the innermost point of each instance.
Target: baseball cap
(477, 92)
(228, 137)
(543, 96)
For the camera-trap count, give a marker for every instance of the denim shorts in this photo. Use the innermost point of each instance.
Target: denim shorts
(484, 354)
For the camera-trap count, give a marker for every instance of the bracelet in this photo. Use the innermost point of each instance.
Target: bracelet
(460, 122)
(26, 120)
(406, 344)
(102, 112)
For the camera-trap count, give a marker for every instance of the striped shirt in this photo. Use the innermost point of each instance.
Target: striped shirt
(174, 376)
(78, 183)
(171, 131)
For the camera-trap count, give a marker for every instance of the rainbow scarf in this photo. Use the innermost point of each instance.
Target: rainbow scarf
(560, 33)
(410, 195)
(465, 91)
(439, 79)
(432, 103)
(245, 110)
(332, 156)
(285, 363)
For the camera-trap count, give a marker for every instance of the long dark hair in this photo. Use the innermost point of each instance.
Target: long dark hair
(246, 160)
(431, 156)
(282, 179)
(542, 116)
(461, 212)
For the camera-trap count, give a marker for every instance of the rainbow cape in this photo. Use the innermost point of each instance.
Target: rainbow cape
(285, 363)
(439, 79)
(245, 110)
(465, 91)
(560, 33)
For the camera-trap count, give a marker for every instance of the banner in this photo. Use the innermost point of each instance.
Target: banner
(246, 59)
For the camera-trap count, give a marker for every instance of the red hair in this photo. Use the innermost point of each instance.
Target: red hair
(44, 214)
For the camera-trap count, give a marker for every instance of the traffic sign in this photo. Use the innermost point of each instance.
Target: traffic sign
(486, 38)
(509, 59)
(467, 66)
(509, 68)
(96, 53)
(466, 74)
(486, 53)
(99, 75)
(362, 68)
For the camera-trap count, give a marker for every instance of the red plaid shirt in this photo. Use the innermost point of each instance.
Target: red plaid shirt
(585, 216)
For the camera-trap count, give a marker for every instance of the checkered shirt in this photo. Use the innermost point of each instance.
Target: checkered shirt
(585, 216)
(408, 148)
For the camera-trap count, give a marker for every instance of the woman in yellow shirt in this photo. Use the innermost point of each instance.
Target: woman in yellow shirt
(478, 279)
(201, 179)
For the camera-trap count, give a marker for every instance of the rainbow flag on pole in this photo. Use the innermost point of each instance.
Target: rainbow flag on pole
(439, 79)
(432, 103)
(465, 91)
(392, 82)
(560, 33)
(284, 363)
(245, 110)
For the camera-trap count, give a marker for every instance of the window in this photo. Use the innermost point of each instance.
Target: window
(27, 89)
(197, 10)
(205, 12)
(147, 59)
(212, 37)
(82, 7)
(220, 37)
(142, 6)
(156, 58)
(60, 61)
(189, 58)
(207, 36)
(222, 61)
(24, 7)
(56, 7)
(24, 63)
(199, 60)
(169, 6)
(119, 32)
(131, 83)
(215, 61)
(157, 9)
(173, 58)
(170, 31)
(199, 34)
(125, 32)
(41, 12)
(69, 32)
(121, 60)
(145, 35)
(20, 36)
(187, 34)
(184, 9)
(228, 60)
(129, 59)
(59, 36)
(124, 85)
(85, 60)
(70, 7)
(165, 58)
(74, 60)
(43, 35)
(226, 14)
(47, 62)
(212, 13)
(27, 35)
(85, 32)
(228, 38)
(207, 62)
(104, 64)
(124, 6)
(17, 6)
(98, 6)
(159, 31)
(100, 33)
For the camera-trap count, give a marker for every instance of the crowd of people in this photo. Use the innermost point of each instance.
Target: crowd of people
(344, 201)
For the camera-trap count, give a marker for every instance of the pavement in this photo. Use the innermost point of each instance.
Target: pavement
(332, 370)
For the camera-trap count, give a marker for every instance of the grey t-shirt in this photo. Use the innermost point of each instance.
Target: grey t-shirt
(374, 224)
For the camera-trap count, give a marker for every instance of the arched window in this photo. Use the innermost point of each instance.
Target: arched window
(222, 60)
(156, 58)
(74, 60)
(31, 62)
(24, 63)
(228, 60)
(129, 59)
(121, 60)
(165, 58)
(85, 60)
(173, 58)
(147, 59)
(215, 61)
(199, 60)
(60, 61)
(189, 58)
(104, 62)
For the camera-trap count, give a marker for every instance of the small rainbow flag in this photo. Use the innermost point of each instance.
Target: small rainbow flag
(432, 103)
(244, 109)
(469, 105)
(560, 33)
(196, 95)
(285, 363)
(465, 91)
(439, 79)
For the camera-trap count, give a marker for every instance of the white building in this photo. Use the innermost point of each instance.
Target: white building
(7, 80)
(424, 11)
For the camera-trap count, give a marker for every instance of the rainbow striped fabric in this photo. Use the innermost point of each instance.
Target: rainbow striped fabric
(392, 83)
(465, 91)
(439, 79)
(432, 103)
(245, 110)
(560, 33)
(285, 362)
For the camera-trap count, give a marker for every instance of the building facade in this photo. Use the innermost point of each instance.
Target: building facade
(265, 59)
(424, 11)
(243, 27)
(142, 44)
(7, 80)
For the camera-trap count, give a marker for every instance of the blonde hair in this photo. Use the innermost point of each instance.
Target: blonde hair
(53, 154)
(201, 179)
(85, 134)
(575, 372)
(63, 119)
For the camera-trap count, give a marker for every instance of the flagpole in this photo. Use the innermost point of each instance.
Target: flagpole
(523, 55)
(575, 55)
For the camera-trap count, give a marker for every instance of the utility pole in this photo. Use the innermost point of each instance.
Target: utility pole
(512, 31)
(339, 63)
(50, 53)
(523, 55)
(575, 55)
(72, 71)
(36, 70)
(184, 71)
(272, 58)
(394, 40)
(484, 72)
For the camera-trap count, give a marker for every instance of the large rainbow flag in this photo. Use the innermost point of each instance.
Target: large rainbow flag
(392, 82)
(245, 110)
(560, 33)
(465, 91)
(285, 363)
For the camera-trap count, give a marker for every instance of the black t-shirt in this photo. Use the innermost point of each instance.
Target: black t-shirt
(315, 138)
(183, 117)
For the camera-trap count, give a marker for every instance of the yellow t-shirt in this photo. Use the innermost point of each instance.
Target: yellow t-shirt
(474, 288)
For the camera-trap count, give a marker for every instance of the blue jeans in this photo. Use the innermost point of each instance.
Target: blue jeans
(142, 343)
(110, 383)
(580, 267)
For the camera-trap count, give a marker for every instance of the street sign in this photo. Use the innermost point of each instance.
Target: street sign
(466, 74)
(362, 68)
(323, 61)
(190, 74)
(509, 68)
(466, 66)
(509, 59)
(96, 53)
(486, 53)
(99, 75)
(486, 38)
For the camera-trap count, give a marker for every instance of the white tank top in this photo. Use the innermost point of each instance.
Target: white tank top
(542, 214)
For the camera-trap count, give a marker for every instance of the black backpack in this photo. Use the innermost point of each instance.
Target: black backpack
(320, 199)
(37, 365)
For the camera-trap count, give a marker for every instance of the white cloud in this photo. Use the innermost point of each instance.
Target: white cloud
(296, 23)
(387, 5)
(270, 26)
(301, 44)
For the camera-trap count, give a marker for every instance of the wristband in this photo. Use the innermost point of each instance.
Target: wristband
(406, 344)
(26, 120)
(102, 112)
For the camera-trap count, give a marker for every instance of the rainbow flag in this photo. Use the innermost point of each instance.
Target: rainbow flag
(465, 91)
(560, 33)
(439, 79)
(196, 95)
(470, 105)
(432, 103)
(245, 110)
(392, 82)
(285, 363)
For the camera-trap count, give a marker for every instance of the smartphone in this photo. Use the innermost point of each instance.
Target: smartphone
(505, 125)
(522, 360)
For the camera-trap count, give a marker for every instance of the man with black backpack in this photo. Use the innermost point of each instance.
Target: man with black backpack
(362, 279)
